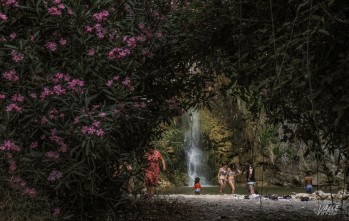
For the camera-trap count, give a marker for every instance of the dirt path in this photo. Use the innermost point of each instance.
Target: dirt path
(235, 207)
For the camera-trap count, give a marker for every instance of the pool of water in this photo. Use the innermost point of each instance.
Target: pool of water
(281, 191)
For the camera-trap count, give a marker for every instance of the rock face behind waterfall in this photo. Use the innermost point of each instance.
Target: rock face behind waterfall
(292, 174)
(225, 136)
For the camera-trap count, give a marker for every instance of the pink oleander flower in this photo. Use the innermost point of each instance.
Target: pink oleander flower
(88, 29)
(3, 17)
(43, 120)
(54, 11)
(17, 98)
(100, 132)
(96, 124)
(101, 16)
(57, 2)
(9, 146)
(63, 41)
(126, 82)
(58, 140)
(75, 85)
(94, 129)
(11, 75)
(17, 183)
(51, 46)
(52, 155)
(76, 120)
(3, 39)
(109, 83)
(130, 41)
(117, 53)
(54, 114)
(56, 211)
(142, 38)
(63, 148)
(70, 12)
(95, 107)
(57, 77)
(12, 166)
(13, 108)
(2, 96)
(10, 3)
(98, 27)
(61, 6)
(102, 114)
(91, 52)
(88, 130)
(33, 95)
(34, 145)
(67, 77)
(45, 93)
(59, 90)
(31, 192)
(141, 26)
(55, 175)
(13, 35)
(16, 56)
(124, 52)
(101, 33)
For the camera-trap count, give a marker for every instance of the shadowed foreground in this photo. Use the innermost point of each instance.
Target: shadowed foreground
(229, 207)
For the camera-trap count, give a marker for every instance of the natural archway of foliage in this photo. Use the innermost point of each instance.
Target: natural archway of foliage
(86, 83)
(289, 59)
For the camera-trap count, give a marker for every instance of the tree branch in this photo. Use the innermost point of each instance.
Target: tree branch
(334, 18)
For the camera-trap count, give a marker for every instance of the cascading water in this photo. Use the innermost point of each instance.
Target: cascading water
(195, 158)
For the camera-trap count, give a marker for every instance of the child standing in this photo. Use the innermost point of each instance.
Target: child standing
(197, 186)
(308, 182)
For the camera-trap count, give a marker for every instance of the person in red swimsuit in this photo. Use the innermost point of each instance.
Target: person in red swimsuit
(197, 186)
(152, 170)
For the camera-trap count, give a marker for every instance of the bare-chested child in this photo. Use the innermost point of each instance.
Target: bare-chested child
(308, 182)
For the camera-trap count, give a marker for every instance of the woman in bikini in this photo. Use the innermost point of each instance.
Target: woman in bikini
(222, 177)
(232, 172)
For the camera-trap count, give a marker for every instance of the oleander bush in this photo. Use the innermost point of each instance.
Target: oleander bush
(83, 85)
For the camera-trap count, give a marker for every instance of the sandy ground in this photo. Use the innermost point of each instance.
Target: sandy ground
(236, 207)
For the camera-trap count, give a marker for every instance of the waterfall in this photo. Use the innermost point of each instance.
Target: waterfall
(197, 167)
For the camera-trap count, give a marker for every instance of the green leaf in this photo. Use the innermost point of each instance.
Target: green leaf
(11, 46)
(323, 31)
